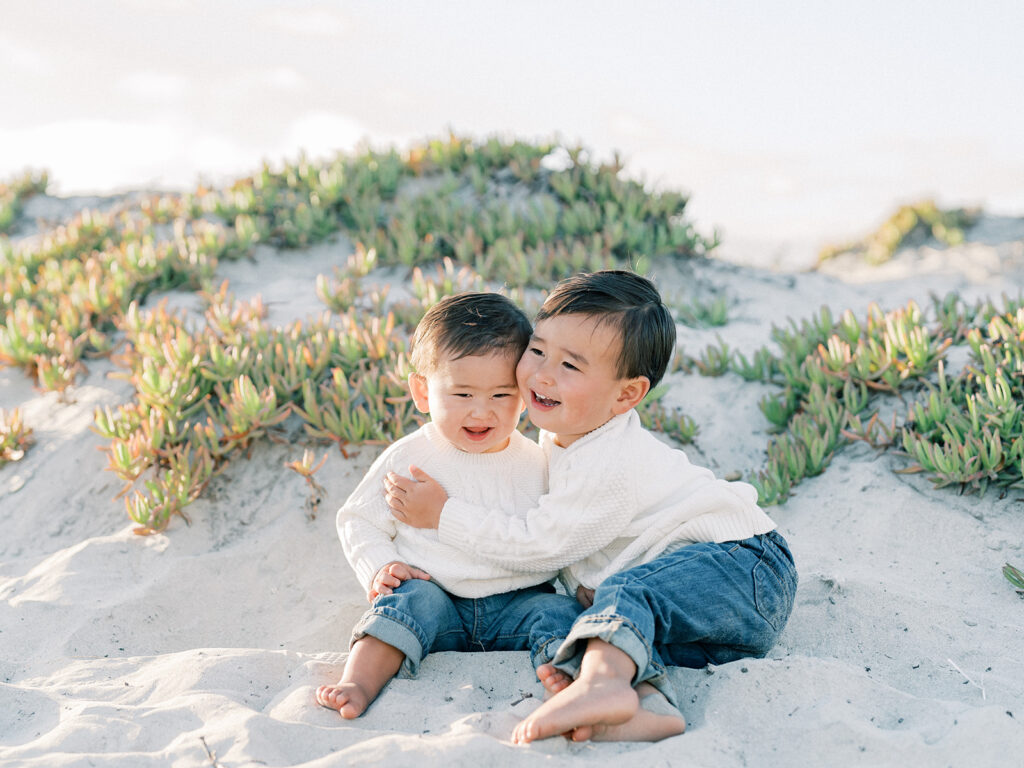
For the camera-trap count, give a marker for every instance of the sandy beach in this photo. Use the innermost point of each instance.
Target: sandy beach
(202, 645)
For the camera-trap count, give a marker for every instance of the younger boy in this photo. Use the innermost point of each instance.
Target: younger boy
(428, 595)
(681, 568)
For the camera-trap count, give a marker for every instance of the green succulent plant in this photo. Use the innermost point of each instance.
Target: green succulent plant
(457, 214)
(1014, 576)
(15, 435)
(909, 223)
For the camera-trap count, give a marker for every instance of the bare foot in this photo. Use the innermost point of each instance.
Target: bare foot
(348, 698)
(552, 678)
(370, 664)
(655, 720)
(588, 701)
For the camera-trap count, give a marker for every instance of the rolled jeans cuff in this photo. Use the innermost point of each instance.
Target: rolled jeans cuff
(620, 633)
(545, 652)
(392, 628)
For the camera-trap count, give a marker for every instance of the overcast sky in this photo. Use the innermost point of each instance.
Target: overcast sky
(788, 123)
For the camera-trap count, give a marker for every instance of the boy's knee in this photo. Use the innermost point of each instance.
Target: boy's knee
(422, 594)
(420, 587)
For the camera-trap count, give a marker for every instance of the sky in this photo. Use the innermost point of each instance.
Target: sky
(789, 124)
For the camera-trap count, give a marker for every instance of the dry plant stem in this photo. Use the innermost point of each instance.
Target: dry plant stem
(210, 754)
(968, 678)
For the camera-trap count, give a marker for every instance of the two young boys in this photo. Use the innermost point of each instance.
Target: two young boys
(677, 567)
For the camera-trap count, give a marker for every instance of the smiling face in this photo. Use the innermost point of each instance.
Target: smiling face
(473, 401)
(569, 376)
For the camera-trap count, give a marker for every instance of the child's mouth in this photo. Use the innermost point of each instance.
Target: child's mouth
(476, 434)
(544, 402)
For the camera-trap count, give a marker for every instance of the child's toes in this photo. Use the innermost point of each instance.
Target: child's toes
(545, 670)
(326, 695)
(553, 679)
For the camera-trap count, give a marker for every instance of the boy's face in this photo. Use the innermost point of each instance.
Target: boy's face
(569, 378)
(473, 401)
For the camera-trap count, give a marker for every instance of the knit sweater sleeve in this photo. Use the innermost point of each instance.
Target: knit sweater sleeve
(590, 500)
(365, 524)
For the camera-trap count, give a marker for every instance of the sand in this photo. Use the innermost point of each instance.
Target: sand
(203, 645)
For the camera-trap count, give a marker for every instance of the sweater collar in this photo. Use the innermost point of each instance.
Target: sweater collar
(445, 449)
(615, 423)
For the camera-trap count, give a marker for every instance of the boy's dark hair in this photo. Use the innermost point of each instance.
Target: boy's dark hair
(632, 305)
(469, 324)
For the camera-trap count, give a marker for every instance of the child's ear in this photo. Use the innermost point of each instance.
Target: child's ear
(418, 390)
(632, 391)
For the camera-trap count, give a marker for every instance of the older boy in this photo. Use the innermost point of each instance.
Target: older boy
(681, 568)
(428, 595)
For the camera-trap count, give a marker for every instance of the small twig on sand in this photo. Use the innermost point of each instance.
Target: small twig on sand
(967, 677)
(524, 695)
(210, 754)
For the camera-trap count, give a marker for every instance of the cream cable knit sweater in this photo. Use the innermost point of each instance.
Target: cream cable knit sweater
(617, 497)
(508, 483)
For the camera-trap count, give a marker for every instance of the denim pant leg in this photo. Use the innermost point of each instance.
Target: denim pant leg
(704, 603)
(536, 619)
(417, 618)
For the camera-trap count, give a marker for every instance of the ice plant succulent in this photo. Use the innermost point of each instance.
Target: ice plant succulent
(15, 435)
(306, 469)
(455, 214)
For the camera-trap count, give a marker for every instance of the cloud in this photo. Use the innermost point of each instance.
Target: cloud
(312, 21)
(93, 155)
(153, 86)
(17, 57)
(322, 133)
(284, 79)
(625, 125)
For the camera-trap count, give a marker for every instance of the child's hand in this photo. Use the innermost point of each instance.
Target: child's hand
(584, 596)
(415, 501)
(390, 576)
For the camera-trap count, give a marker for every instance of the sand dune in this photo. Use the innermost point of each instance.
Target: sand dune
(904, 648)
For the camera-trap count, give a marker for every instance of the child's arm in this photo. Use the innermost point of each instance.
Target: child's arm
(365, 526)
(568, 523)
(369, 546)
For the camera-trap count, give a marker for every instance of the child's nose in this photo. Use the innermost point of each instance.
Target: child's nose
(544, 375)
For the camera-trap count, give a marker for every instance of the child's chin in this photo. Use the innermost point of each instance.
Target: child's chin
(542, 419)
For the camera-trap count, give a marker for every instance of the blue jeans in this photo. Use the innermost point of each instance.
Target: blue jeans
(420, 618)
(702, 604)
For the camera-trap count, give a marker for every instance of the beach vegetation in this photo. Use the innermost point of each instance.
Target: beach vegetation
(698, 313)
(456, 214)
(15, 191)
(15, 435)
(911, 224)
(759, 367)
(1015, 577)
(450, 215)
(714, 359)
(671, 421)
(306, 469)
(963, 431)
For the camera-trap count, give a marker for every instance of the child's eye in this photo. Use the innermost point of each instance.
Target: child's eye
(535, 351)
(570, 366)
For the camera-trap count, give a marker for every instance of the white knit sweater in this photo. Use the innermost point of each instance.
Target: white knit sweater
(508, 482)
(617, 497)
